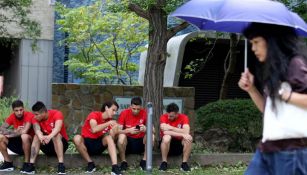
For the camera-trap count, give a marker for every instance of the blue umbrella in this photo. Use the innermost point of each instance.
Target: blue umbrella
(235, 15)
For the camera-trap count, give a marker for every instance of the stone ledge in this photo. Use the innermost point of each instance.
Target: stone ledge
(75, 160)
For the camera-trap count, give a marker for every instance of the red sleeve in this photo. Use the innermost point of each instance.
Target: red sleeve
(163, 119)
(58, 116)
(186, 120)
(121, 118)
(91, 116)
(33, 121)
(10, 119)
(28, 116)
(145, 117)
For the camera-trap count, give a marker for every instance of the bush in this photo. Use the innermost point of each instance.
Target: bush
(239, 118)
(5, 107)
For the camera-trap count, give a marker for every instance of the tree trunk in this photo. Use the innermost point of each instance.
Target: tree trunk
(231, 65)
(155, 65)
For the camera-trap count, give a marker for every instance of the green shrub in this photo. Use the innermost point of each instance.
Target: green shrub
(5, 107)
(239, 117)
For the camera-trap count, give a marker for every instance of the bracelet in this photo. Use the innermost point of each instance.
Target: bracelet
(289, 97)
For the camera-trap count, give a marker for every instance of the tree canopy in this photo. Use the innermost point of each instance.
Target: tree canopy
(105, 42)
(16, 13)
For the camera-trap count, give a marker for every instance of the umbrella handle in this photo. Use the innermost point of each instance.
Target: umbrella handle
(245, 54)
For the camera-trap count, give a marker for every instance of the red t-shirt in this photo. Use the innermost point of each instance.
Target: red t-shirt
(128, 120)
(86, 131)
(181, 120)
(27, 118)
(49, 124)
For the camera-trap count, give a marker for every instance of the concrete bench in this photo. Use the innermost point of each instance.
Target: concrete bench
(75, 160)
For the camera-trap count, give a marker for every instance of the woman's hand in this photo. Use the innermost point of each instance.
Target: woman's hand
(246, 81)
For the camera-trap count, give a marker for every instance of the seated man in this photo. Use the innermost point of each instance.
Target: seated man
(176, 138)
(18, 140)
(50, 136)
(96, 136)
(132, 130)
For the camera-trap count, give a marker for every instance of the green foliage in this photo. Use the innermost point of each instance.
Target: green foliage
(240, 118)
(18, 15)
(5, 107)
(105, 42)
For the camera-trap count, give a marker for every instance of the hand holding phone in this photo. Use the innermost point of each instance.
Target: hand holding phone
(137, 127)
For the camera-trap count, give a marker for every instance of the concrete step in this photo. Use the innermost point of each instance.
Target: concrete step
(76, 161)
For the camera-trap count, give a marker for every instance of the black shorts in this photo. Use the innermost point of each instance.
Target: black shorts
(94, 146)
(135, 146)
(15, 145)
(49, 148)
(175, 148)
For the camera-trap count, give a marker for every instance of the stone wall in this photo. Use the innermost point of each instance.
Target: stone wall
(76, 101)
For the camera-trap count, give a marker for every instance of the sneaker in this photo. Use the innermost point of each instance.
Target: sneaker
(185, 167)
(90, 167)
(61, 168)
(30, 169)
(116, 170)
(143, 164)
(163, 166)
(124, 166)
(7, 166)
(24, 167)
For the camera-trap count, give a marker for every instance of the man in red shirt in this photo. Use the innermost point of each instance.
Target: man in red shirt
(176, 138)
(132, 128)
(18, 140)
(50, 136)
(97, 135)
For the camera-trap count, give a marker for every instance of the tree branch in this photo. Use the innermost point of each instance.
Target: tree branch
(172, 31)
(138, 10)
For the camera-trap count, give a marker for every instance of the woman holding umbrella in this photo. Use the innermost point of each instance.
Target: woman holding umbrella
(282, 74)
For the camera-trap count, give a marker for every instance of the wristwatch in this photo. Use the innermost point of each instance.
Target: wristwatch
(285, 87)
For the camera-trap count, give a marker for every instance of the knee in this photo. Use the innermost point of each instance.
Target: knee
(166, 139)
(77, 139)
(25, 137)
(57, 138)
(122, 139)
(2, 138)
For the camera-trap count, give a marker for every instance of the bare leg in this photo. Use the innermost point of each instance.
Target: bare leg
(79, 142)
(144, 141)
(165, 144)
(108, 141)
(187, 147)
(122, 144)
(3, 148)
(58, 147)
(34, 149)
(26, 146)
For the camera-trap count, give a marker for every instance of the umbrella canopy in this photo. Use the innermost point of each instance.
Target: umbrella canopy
(235, 15)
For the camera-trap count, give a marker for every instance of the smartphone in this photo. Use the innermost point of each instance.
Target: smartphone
(137, 127)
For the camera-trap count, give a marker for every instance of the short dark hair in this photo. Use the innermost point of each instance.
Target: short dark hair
(136, 101)
(173, 107)
(39, 107)
(17, 103)
(108, 104)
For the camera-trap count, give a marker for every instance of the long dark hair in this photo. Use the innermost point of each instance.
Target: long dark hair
(282, 45)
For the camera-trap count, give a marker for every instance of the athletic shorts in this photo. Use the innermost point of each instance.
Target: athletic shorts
(49, 148)
(15, 145)
(176, 147)
(94, 146)
(135, 146)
